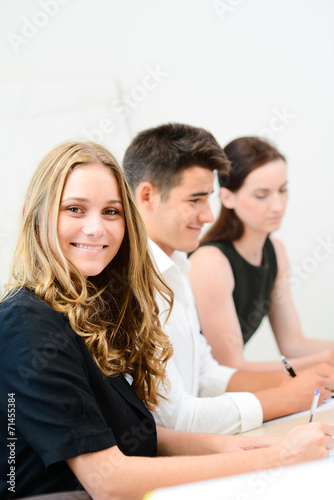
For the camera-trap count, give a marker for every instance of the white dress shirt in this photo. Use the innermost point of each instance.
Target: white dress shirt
(197, 400)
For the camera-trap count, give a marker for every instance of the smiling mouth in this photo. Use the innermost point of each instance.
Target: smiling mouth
(88, 247)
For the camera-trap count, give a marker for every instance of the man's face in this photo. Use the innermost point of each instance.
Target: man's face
(175, 223)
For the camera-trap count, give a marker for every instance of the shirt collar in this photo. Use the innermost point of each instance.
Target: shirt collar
(164, 262)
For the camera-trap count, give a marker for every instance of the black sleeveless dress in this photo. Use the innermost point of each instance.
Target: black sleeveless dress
(253, 285)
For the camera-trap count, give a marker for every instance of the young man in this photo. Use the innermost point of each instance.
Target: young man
(171, 172)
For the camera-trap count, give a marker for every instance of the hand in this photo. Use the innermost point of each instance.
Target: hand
(308, 442)
(304, 386)
(329, 357)
(325, 370)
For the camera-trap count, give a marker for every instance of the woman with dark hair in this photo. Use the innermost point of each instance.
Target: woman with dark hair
(83, 354)
(240, 273)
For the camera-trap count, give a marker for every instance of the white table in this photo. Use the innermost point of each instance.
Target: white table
(304, 481)
(309, 481)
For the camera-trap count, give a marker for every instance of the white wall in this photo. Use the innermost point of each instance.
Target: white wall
(235, 67)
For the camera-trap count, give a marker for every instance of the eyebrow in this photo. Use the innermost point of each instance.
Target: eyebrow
(86, 200)
(201, 193)
(266, 189)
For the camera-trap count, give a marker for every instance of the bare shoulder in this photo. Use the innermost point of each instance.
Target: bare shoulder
(209, 263)
(281, 255)
(207, 257)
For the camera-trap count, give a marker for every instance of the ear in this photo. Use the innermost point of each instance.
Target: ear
(227, 197)
(145, 195)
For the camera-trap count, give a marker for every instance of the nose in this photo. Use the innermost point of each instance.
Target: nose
(278, 202)
(206, 214)
(93, 225)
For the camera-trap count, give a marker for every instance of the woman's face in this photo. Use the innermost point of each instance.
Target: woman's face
(260, 202)
(91, 223)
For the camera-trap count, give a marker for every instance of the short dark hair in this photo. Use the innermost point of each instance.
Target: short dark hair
(160, 155)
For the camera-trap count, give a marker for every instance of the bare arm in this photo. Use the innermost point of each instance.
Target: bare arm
(213, 283)
(285, 322)
(276, 399)
(105, 474)
(295, 395)
(171, 442)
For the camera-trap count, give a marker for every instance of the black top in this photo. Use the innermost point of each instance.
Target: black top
(55, 403)
(253, 285)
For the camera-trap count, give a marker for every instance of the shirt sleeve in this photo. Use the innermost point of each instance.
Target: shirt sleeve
(56, 412)
(214, 379)
(227, 413)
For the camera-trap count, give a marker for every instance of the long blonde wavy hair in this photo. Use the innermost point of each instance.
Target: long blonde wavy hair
(115, 312)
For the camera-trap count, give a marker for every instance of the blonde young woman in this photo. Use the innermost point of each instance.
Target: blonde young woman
(77, 322)
(240, 273)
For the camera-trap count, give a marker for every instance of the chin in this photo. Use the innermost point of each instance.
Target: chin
(274, 227)
(90, 273)
(191, 248)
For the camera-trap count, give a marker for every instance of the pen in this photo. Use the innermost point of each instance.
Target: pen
(314, 403)
(287, 367)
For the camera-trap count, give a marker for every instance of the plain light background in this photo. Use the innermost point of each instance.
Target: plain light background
(106, 69)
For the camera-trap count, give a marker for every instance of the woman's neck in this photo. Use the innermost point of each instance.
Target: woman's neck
(250, 247)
